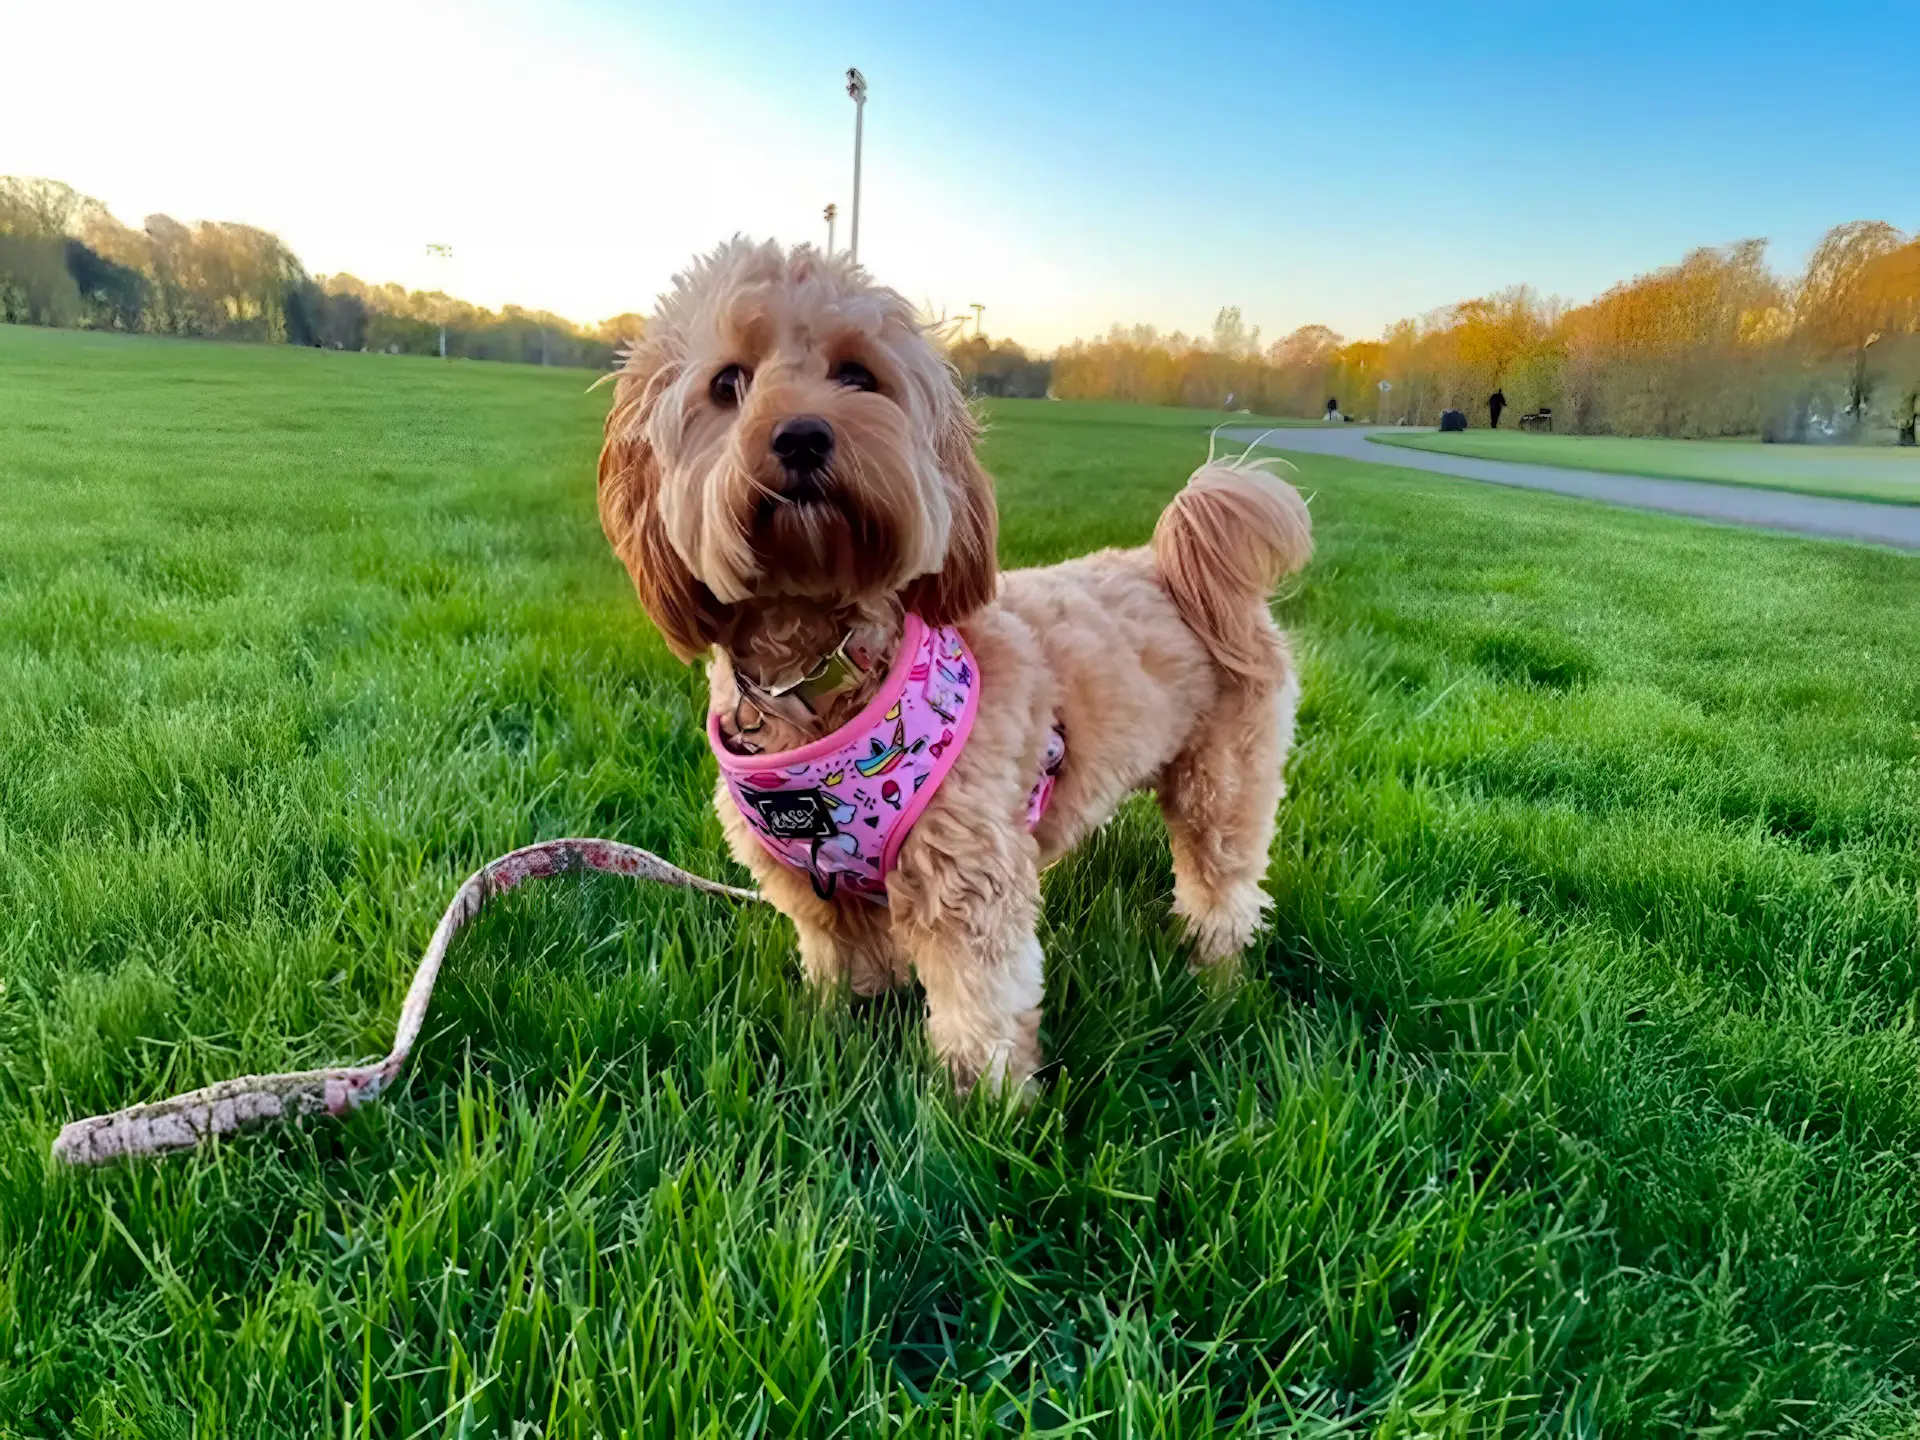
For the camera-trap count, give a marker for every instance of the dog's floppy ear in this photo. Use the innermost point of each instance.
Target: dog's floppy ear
(685, 611)
(970, 573)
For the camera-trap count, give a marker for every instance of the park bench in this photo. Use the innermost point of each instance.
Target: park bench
(1541, 419)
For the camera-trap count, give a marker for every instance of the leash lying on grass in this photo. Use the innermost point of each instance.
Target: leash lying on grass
(184, 1121)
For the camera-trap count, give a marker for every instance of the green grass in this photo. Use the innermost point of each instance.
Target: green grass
(1858, 472)
(1575, 1091)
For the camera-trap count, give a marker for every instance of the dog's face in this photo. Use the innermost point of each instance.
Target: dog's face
(787, 428)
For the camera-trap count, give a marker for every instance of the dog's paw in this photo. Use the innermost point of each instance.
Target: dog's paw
(1005, 1069)
(1225, 928)
(1011, 1090)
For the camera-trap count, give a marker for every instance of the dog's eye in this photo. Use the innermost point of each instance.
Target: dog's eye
(852, 372)
(728, 386)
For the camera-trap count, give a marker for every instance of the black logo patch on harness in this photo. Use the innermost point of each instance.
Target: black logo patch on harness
(792, 814)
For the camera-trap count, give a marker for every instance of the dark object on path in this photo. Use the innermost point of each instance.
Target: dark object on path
(1496, 402)
(1452, 420)
(1541, 419)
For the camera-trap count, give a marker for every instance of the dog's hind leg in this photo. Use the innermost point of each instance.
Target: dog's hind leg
(1219, 796)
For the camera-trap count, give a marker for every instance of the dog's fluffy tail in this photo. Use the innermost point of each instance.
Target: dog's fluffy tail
(1221, 548)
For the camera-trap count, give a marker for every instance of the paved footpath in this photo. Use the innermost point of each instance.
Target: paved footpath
(1897, 525)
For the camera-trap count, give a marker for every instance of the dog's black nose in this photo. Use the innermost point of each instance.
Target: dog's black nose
(803, 443)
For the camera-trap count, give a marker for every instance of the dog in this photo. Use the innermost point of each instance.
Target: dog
(789, 476)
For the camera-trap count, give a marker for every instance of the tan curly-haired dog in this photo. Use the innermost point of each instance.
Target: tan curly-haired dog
(788, 472)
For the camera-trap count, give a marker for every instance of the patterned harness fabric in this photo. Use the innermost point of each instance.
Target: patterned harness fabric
(840, 808)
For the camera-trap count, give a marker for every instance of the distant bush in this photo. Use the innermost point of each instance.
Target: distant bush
(35, 285)
(999, 368)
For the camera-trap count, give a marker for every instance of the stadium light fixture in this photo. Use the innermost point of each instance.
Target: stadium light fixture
(857, 89)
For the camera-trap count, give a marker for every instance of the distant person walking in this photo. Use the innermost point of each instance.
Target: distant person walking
(1496, 402)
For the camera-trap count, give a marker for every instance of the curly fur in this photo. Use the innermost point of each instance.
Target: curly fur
(1163, 663)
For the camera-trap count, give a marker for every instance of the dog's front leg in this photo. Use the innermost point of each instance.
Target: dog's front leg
(841, 941)
(966, 898)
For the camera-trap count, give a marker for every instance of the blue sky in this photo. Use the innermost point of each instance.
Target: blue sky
(1068, 165)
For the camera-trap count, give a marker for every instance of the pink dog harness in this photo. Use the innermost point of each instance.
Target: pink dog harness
(840, 808)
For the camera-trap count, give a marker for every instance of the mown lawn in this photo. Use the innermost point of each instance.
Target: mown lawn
(1575, 1092)
(1859, 472)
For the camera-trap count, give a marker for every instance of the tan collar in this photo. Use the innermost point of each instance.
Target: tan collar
(804, 702)
(838, 672)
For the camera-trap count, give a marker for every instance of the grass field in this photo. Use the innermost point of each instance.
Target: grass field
(1858, 472)
(1575, 1091)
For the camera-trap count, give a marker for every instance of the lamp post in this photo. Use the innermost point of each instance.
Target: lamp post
(831, 211)
(857, 89)
(443, 254)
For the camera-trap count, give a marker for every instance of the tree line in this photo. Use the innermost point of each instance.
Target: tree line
(66, 261)
(1718, 344)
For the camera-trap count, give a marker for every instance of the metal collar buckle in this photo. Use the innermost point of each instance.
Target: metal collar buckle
(835, 673)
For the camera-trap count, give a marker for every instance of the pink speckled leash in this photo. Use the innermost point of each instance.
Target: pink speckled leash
(184, 1121)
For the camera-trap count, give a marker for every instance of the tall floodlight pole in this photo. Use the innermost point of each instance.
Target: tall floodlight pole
(977, 308)
(444, 254)
(857, 88)
(831, 211)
